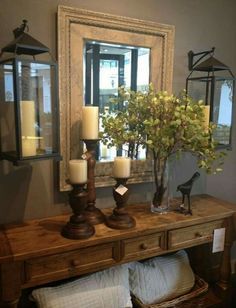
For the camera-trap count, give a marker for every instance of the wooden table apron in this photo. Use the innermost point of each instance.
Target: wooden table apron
(33, 253)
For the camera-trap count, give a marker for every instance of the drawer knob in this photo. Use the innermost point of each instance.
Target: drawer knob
(74, 262)
(198, 234)
(143, 246)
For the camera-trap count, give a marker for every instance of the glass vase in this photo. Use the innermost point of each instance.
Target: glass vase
(160, 188)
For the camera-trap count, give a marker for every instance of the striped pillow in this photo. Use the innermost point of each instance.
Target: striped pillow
(161, 278)
(104, 289)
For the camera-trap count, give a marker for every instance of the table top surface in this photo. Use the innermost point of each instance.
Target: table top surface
(42, 237)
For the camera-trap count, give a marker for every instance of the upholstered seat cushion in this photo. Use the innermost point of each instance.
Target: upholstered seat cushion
(161, 278)
(104, 289)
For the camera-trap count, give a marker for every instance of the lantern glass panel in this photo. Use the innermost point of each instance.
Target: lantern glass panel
(222, 110)
(7, 109)
(37, 99)
(199, 89)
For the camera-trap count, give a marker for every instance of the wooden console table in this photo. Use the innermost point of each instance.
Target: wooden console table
(34, 253)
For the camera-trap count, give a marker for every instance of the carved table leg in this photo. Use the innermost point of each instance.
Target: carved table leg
(10, 284)
(223, 285)
(225, 270)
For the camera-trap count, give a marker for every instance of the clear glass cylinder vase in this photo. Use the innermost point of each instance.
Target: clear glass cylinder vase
(160, 188)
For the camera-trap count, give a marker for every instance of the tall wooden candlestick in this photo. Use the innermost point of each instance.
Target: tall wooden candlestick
(92, 213)
(120, 219)
(78, 227)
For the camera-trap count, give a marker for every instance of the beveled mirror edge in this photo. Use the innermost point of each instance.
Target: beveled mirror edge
(70, 15)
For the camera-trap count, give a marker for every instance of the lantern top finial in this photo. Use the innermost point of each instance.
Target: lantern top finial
(21, 29)
(24, 43)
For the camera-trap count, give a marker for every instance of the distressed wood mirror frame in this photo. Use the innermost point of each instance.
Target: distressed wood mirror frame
(74, 27)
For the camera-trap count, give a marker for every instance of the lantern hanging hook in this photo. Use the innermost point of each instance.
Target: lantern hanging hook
(21, 29)
(202, 54)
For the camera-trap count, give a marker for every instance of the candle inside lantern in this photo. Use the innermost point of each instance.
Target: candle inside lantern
(78, 171)
(28, 128)
(206, 116)
(121, 167)
(90, 122)
(29, 146)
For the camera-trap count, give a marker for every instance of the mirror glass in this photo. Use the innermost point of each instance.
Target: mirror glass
(97, 52)
(107, 67)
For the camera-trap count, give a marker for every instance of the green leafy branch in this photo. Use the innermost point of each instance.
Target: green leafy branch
(164, 123)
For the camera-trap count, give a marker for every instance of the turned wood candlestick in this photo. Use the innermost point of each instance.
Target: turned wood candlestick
(120, 219)
(77, 227)
(92, 213)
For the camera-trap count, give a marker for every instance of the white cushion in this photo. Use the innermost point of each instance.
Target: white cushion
(104, 289)
(161, 278)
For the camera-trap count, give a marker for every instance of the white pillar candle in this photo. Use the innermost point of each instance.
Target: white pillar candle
(27, 109)
(121, 167)
(27, 118)
(78, 171)
(89, 122)
(206, 116)
(28, 146)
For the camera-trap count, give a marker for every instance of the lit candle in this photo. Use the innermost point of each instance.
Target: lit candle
(206, 116)
(78, 171)
(28, 128)
(121, 167)
(89, 122)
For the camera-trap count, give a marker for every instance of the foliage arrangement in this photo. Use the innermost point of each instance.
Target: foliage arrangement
(166, 124)
(125, 124)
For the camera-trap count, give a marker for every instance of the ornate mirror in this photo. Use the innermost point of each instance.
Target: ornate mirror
(81, 35)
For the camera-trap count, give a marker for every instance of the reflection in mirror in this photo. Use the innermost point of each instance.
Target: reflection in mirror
(107, 67)
(222, 111)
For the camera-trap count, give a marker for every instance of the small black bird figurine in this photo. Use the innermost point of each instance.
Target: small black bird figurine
(185, 189)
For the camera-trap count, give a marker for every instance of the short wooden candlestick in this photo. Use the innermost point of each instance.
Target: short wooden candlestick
(77, 227)
(92, 213)
(120, 219)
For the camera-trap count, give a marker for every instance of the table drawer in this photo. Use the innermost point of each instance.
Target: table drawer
(142, 246)
(72, 263)
(193, 235)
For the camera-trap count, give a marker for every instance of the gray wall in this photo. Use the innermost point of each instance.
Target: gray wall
(31, 191)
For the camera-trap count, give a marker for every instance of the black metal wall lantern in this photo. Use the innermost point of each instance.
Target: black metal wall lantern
(214, 83)
(29, 116)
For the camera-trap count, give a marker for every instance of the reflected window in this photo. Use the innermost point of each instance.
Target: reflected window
(222, 112)
(8, 82)
(218, 93)
(107, 67)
